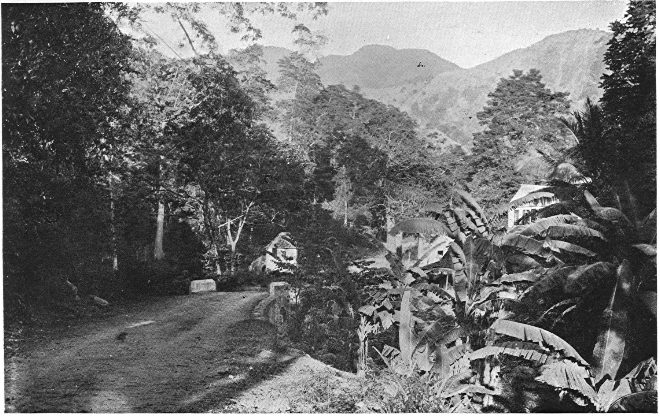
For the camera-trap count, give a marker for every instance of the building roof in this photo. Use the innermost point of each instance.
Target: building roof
(283, 240)
(526, 189)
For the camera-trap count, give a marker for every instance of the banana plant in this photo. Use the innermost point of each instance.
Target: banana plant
(439, 307)
(559, 366)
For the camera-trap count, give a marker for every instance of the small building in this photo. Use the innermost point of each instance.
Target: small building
(543, 199)
(281, 250)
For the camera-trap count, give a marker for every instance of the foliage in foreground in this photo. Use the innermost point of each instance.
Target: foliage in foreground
(478, 319)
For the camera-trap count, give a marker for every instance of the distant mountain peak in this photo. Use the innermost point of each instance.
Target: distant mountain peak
(381, 66)
(445, 98)
(376, 47)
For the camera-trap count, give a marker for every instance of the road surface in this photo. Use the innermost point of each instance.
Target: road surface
(179, 354)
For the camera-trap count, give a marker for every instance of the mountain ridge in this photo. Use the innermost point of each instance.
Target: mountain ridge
(445, 98)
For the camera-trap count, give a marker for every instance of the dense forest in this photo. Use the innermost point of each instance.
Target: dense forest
(129, 173)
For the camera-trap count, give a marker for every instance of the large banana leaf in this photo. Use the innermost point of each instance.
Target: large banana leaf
(588, 277)
(612, 215)
(523, 244)
(548, 290)
(568, 375)
(611, 343)
(593, 203)
(482, 225)
(447, 359)
(648, 249)
(562, 246)
(569, 231)
(521, 349)
(521, 262)
(538, 227)
(426, 226)
(530, 276)
(540, 336)
(472, 204)
(558, 208)
(467, 225)
(542, 193)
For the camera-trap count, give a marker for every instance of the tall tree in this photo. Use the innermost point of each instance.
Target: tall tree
(375, 148)
(64, 95)
(521, 116)
(229, 158)
(300, 82)
(254, 79)
(629, 103)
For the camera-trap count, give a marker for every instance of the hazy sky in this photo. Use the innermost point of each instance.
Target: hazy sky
(466, 33)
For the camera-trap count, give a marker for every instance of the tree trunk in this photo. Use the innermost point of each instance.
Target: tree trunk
(218, 269)
(392, 242)
(159, 254)
(211, 235)
(113, 233)
(232, 241)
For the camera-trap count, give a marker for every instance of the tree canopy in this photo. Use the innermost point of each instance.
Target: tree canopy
(520, 119)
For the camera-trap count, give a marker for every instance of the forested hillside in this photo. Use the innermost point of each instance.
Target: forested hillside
(571, 62)
(130, 173)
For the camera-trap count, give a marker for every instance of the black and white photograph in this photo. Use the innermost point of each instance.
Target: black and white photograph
(330, 207)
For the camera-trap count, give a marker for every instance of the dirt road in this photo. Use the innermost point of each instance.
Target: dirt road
(180, 354)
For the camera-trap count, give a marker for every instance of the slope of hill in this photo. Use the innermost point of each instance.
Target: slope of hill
(378, 66)
(442, 97)
(570, 61)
